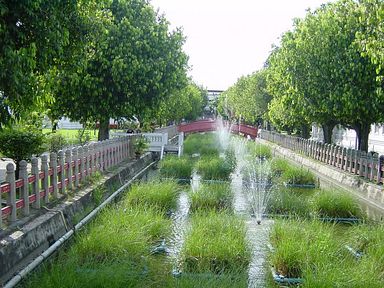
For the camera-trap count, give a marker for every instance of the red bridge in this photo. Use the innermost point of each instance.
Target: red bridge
(213, 125)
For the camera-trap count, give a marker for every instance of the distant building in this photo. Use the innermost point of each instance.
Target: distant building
(347, 137)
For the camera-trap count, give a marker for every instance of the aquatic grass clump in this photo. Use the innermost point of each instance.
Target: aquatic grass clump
(176, 167)
(215, 243)
(301, 246)
(278, 166)
(203, 144)
(284, 202)
(217, 196)
(258, 150)
(162, 195)
(123, 233)
(214, 168)
(298, 176)
(336, 204)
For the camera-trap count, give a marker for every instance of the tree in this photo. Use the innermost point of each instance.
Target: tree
(132, 65)
(247, 99)
(332, 81)
(37, 36)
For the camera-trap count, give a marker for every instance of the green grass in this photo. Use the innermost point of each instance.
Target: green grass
(217, 196)
(203, 144)
(175, 167)
(162, 195)
(297, 176)
(215, 243)
(278, 166)
(286, 202)
(214, 168)
(257, 150)
(336, 204)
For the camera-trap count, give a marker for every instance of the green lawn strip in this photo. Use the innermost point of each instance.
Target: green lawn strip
(176, 167)
(160, 194)
(216, 244)
(217, 196)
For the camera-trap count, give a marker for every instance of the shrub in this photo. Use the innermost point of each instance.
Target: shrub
(54, 142)
(21, 144)
(259, 150)
(336, 204)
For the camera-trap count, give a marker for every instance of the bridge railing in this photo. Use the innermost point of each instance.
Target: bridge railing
(57, 174)
(370, 165)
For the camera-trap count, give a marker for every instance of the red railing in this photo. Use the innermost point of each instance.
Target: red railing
(212, 125)
(58, 173)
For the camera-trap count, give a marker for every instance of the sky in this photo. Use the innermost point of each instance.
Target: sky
(227, 39)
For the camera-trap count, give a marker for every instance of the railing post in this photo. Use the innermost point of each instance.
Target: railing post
(75, 158)
(44, 168)
(11, 199)
(91, 152)
(343, 157)
(181, 144)
(357, 162)
(81, 160)
(68, 161)
(363, 161)
(35, 185)
(380, 169)
(348, 161)
(61, 161)
(23, 174)
(374, 166)
(86, 161)
(53, 166)
(369, 166)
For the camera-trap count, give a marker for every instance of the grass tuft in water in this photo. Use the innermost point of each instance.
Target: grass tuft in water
(298, 176)
(176, 167)
(217, 196)
(203, 144)
(336, 204)
(162, 195)
(214, 168)
(216, 243)
(287, 203)
(257, 150)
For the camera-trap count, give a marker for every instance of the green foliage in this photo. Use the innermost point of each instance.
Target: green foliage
(20, 143)
(214, 168)
(216, 243)
(176, 167)
(213, 196)
(133, 64)
(336, 204)
(247, 99)
(55, 142)
(140, 145)
(278, 166)
(319, 73)
(160, 195)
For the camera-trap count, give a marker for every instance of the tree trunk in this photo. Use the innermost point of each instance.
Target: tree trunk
(327, 131)
(103, 129)
(362, 134)
(305, 131)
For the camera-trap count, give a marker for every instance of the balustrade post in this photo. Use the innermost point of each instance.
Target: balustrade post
(11, 198)
(352, 166)
(80, 152)
(343, 157)
(91, 152)
(369, 166)
(23, 174)
(44, 168)
(380, 169)
(363, 164)
(374, 166)
(348, 160)
(35, 185)
(86, 161)
(53, 166)
(357, 162)
(61, 161)
(68, 161)
(75, 157)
